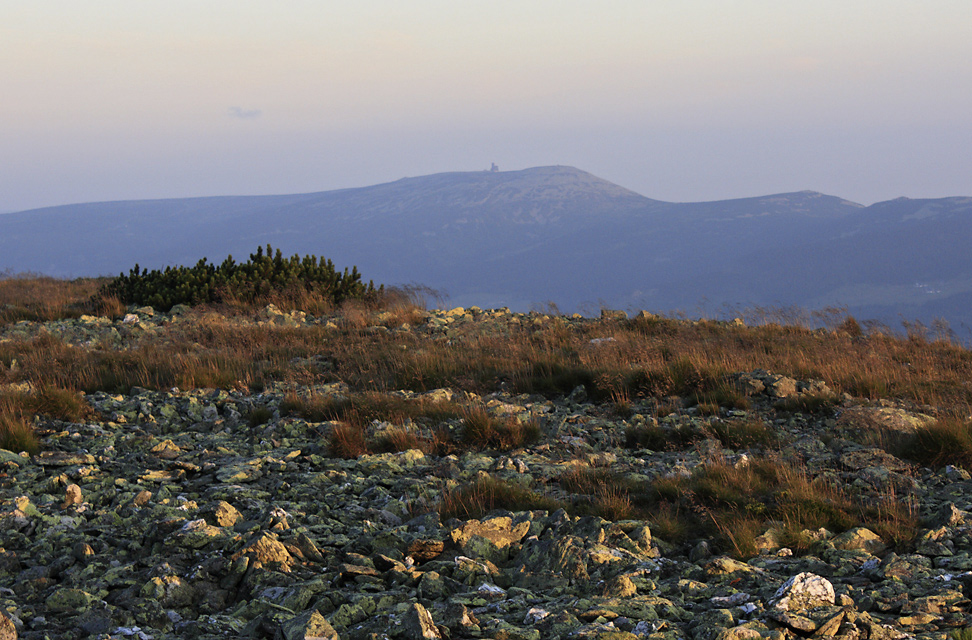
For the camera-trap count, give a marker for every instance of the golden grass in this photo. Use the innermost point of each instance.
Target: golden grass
(41, 298)
(478, 498)
(16, 434)
(551, 358)
(736, 503)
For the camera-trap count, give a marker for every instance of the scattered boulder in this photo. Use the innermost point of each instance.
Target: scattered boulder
(804, 591)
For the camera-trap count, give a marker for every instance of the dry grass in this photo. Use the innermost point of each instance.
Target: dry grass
(604, 493)
(946, 441)
(659, 438)
(478, 498)
(734, 504)
(347, 441)
(16, 434)
(484, 431)
(40, 298)
(549, 357)
(744, 434)
(18, 409)
(479, 429)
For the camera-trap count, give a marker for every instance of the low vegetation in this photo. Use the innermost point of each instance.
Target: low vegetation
(264, 278)
(42, 299)
(489, 494)
(16, 434)
(736, 503)
(387, 352)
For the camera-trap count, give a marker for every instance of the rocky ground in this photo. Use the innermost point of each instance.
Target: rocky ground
(171, 516)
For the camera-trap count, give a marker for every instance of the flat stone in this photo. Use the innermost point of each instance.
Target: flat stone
(860, 538)
(70, 601)
(239, 473)
(63, 459)
(425, 550)
(163, 475)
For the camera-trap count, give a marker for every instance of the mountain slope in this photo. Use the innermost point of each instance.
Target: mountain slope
(558, 234)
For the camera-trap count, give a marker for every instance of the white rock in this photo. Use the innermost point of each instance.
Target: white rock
(535, 615)
(804, 591)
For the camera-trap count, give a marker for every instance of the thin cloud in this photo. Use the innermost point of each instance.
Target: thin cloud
(244, 114)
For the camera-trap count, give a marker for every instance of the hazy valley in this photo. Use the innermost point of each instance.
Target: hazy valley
(549, 234)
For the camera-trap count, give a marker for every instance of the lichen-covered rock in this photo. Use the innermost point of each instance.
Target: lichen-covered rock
(490, 538)
(8, 631)
(804, 591)
(418, 624)
(309, 625)
(266, 549)
(168, 515)
(69, 601)
(860, 538)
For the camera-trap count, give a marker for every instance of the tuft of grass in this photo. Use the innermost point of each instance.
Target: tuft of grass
(621, 405)
(401, 439)
(259, 415)
(478, 498)
(485, 431)
(851, 327)
(554, 376)
(60, 404)
(669, 523)
(946, 441)
(602, 492)
(660, 438)
(49, 401)
(807, 403)
(734, 504)
(315, 408)
(347, 441)
(15, 433)
(723, 394)
(744, 434)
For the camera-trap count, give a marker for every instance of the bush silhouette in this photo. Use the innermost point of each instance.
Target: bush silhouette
(249, 283)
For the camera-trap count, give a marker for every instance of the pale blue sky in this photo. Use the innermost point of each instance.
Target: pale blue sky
(676, 99)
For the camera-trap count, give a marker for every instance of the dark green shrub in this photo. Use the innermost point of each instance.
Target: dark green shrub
(249, 283)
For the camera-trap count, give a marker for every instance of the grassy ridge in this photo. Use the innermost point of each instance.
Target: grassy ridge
(647, 364)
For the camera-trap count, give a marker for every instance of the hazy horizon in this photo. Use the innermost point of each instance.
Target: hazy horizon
(684, 102)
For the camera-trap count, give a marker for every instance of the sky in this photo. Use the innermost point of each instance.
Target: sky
(680, 100)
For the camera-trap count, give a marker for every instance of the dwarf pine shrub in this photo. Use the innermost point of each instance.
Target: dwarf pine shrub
(249, 283)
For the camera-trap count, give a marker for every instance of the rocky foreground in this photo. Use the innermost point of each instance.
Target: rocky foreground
(173, 516)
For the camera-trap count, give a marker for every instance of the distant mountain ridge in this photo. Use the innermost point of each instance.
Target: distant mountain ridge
(523, 238)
